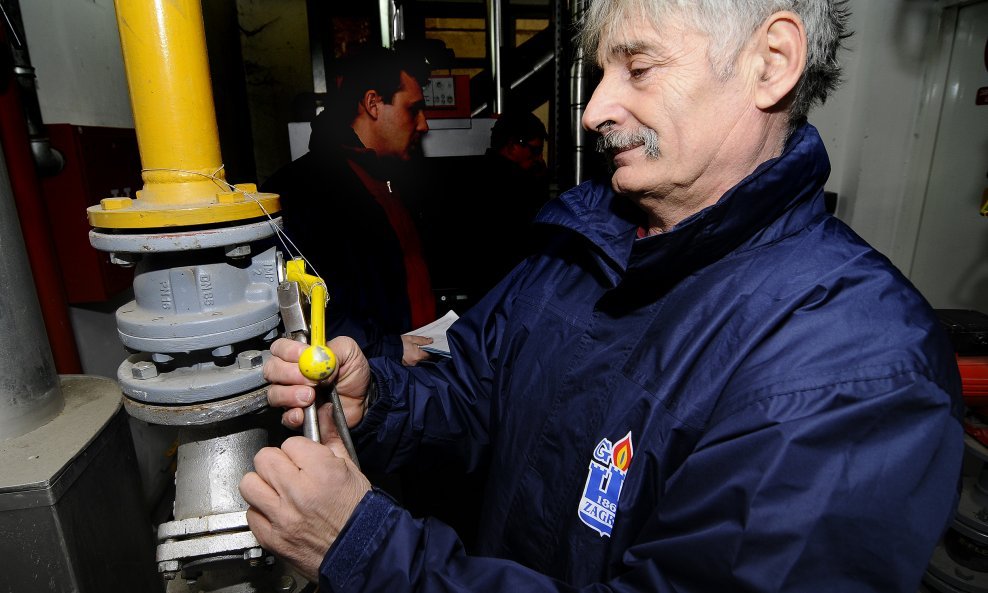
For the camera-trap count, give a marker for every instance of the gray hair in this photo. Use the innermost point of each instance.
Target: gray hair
(730, 24)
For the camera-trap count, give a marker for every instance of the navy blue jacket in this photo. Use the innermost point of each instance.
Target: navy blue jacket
(754, 401)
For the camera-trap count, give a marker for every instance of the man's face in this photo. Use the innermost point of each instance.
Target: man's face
(402, 122)
(672, 128)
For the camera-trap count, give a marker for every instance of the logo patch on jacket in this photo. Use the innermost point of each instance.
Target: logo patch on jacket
(608, 468)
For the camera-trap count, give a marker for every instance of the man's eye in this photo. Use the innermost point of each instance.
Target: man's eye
(637, 73)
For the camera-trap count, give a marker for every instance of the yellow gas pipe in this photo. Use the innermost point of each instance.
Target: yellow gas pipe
(164, 50)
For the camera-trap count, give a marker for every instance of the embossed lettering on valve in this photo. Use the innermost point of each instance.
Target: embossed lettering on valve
(268, 271)
(206, 289)
(165, 289)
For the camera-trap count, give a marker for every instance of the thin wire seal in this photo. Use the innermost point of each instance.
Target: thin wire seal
(283, 237)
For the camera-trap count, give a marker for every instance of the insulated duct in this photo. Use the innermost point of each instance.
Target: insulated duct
(72, 517)
(29, 389)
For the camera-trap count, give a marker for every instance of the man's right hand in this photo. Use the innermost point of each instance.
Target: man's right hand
(289, 389)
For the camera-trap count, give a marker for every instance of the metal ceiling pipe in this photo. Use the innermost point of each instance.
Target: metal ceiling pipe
(392, 22)
(48, 160)
(30, 395)
(579, 95)
(494, 42)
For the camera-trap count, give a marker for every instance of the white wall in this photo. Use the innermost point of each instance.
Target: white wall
(870, 124)
(75, 50)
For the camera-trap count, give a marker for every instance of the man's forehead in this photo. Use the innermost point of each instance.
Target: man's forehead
(618, 49)
(410, 86)
(634, 36)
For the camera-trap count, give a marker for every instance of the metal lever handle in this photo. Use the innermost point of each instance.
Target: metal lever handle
(318, 361)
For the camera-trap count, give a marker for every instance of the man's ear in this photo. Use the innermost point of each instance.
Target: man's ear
(371, 103)
(781, 49)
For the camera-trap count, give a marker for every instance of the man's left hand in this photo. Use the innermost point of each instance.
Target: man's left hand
(412, 352)
(300, 497)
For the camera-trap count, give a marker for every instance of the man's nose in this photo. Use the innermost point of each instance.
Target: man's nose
(602, 108)
(421, 124)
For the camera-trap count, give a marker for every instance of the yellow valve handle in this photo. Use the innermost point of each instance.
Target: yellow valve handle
(317, 361)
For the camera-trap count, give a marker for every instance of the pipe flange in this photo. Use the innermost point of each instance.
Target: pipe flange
(198, 414)
(972, 510)
(199, 383)
(196, 526)
(233, 325)
(162, 242)
(222, 207)
(208, 545)
(945, 568)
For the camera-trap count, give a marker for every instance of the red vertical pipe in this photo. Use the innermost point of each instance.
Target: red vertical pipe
(37, 237)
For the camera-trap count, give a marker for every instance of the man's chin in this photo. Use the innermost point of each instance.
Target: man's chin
(623, 181)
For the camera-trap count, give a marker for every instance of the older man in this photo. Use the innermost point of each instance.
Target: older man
(703, 383)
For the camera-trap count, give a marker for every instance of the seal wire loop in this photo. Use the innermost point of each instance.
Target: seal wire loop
(292, 252)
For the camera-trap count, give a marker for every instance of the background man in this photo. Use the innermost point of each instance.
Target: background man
(477, 224)
(513, 188)
(342, 210)
(703, 382)
(518, 138)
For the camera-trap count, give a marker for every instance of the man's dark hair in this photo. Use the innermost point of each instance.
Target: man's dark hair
(371, 68)
(516, 127)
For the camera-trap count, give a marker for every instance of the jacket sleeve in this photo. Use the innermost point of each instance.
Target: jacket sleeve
(443, 405)
(797, 491)
(373, 340)
(383, 548)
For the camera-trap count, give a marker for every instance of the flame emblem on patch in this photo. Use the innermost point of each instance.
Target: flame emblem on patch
(622, 453)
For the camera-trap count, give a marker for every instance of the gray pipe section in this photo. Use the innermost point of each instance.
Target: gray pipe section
(578, 97)
(384, 15)
(398, 24)
(392, 22)
(578, 104)
(494, 34)
(211, 461)
(48, 160)
(30, 395)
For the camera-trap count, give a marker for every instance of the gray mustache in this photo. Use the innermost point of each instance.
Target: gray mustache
(615, 140)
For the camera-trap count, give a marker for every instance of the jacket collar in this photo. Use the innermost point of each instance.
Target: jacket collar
(334, 141)
(778, 188)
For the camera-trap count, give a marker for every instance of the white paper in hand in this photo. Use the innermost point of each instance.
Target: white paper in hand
(437, 331)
